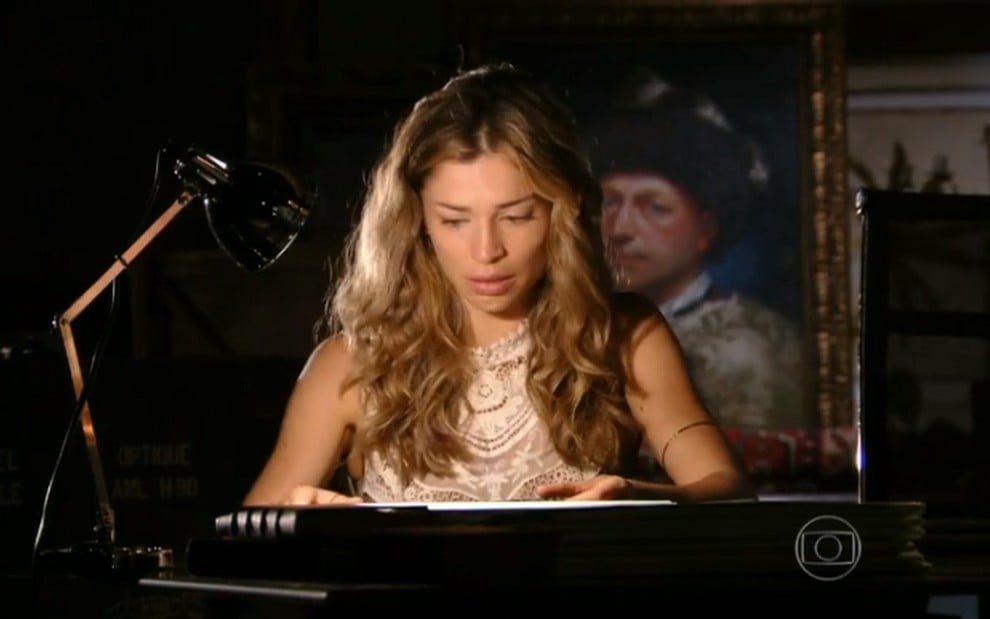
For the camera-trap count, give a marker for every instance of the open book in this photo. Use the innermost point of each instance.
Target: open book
(457, 506)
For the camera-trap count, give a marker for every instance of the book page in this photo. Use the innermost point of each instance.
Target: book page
(516, 505)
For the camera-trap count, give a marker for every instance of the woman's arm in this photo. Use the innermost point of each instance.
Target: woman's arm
(319, 421)
(719, 486)
(687, 442)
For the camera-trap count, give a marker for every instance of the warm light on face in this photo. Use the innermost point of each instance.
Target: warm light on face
(488, 229)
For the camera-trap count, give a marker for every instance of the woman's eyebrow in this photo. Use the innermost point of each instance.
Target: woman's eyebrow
(503, 205)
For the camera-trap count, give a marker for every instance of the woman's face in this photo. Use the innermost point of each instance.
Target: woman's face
(655, 233)
(489, 231)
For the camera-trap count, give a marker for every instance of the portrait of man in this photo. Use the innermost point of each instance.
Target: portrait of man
(680, 188)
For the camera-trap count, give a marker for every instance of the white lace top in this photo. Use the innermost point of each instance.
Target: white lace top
(511, 452)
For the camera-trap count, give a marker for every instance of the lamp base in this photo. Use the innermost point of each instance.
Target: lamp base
(101, 560)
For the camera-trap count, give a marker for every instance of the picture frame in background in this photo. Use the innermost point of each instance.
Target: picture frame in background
(774, 73)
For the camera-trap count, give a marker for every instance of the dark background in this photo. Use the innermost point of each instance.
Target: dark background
(91, 92)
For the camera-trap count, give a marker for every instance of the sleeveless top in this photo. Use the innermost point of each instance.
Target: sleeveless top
(510, 451)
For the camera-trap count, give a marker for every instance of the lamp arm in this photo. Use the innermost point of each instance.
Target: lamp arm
(75, 368)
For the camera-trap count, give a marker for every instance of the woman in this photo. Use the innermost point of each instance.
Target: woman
(476, 351)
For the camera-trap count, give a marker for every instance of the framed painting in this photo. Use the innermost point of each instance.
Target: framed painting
(736, 111)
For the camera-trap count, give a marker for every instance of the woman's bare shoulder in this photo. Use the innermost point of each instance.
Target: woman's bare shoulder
(330, 374)
(332, 353)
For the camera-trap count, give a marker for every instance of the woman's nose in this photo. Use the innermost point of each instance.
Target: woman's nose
(488, 246)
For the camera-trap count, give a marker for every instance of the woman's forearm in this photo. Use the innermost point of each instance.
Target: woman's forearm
(719, 486)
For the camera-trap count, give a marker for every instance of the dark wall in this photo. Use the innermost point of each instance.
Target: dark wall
(886, 29)
(91, 92)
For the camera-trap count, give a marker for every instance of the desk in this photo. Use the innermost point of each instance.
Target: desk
(715, 597)
(685, 561)
(727, 559)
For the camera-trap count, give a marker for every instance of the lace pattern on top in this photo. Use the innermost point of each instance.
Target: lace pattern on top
(511, 453)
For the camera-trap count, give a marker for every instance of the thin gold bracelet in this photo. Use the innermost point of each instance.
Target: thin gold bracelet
(663, 452)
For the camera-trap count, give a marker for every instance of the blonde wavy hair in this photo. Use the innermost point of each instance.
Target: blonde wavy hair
(403, 321)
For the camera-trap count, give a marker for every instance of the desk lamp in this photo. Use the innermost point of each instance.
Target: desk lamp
(254, 211)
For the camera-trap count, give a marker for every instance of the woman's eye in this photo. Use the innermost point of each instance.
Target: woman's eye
(519, 218)
(453, 222)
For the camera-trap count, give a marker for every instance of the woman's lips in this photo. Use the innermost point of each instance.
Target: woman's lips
(491, 286)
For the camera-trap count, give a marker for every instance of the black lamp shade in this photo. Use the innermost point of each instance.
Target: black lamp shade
(255, 210)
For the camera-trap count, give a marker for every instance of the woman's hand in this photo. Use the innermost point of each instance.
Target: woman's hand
(600, 488)
(311, 495)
